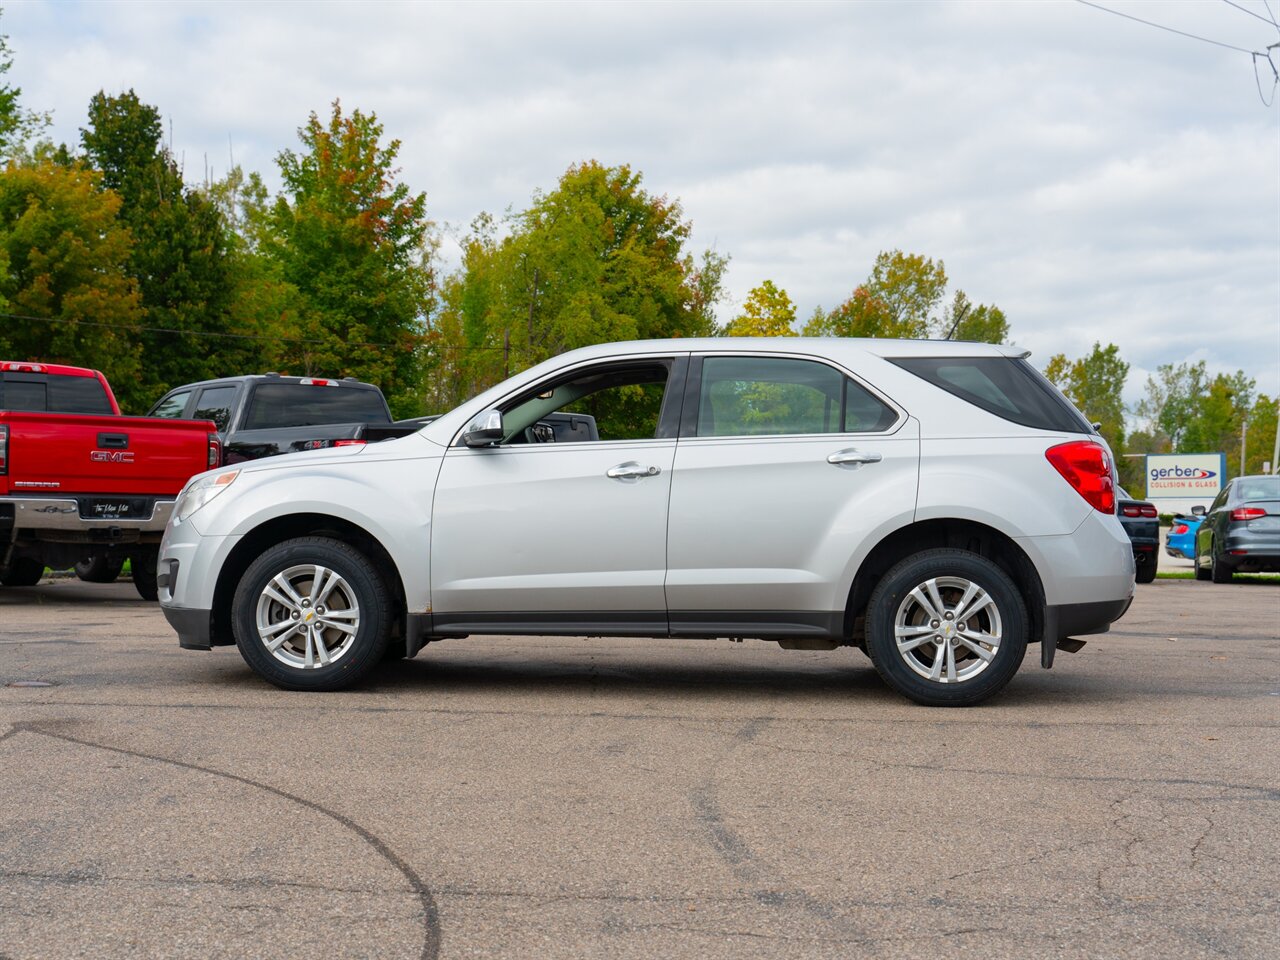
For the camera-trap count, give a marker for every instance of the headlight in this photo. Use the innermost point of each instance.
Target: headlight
(199, 492)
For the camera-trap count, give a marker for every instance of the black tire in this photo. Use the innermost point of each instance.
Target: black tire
(1146, 572)
(143, 566)
(23, 572)
(99, 569)
(893, 594)
(1219, 572)
(359, 582)
(1202, 573)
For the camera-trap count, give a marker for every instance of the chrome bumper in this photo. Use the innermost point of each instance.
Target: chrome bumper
(63, 514)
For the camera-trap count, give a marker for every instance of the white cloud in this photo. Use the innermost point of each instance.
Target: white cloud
(1096, 178)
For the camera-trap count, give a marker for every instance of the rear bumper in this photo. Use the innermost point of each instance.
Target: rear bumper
(193, 627)
(61, 516)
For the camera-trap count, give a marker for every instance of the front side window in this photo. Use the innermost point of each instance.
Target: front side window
(607, 402)
(171, 407)
(773, 396)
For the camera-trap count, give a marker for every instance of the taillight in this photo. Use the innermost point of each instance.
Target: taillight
(1139, 510)
(1248, 513)
(1178, 529)
(1087, 468)
(215, 451)
(349, 443)
(4, 450)
(318, 382)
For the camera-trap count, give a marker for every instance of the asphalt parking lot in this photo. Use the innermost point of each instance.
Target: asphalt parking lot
(552, 798)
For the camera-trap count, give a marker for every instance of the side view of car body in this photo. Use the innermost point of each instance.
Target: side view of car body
(938, 504)
(1241, 530)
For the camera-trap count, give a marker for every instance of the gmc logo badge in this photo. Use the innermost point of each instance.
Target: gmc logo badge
(111, 456)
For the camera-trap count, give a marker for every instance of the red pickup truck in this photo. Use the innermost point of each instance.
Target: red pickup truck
(81, 485)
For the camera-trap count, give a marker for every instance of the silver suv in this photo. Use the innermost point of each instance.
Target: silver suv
(938, 504)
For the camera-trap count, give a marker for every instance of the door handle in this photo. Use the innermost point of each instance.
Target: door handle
(631, 471)
(841, 457)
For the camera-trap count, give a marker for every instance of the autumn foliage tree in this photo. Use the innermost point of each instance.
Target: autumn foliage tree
(767, 312)
(1095, 384)
(596, 259)
(355, 246)
(904, 297)
(67, 274)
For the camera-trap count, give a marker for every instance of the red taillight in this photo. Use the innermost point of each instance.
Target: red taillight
(1248, 513)
(1148, 510)
(349, 443)
(1131, 511)
(4, 450)
(215, 452)
(1087, 468)
(1178, 529)
(318, 382)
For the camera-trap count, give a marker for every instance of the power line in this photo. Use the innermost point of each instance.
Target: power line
(1256, 16)
(1160, 26)
(139, 328)
(1270, 14)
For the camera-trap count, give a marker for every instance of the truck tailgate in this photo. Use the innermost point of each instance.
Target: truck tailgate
(75, 453)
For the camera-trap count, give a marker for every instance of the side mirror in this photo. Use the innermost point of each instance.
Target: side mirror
(484, 429)
(1197, 511)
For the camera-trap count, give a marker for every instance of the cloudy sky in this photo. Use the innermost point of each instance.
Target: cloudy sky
(1097, 178)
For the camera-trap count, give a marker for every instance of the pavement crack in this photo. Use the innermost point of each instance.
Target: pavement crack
(430, 912)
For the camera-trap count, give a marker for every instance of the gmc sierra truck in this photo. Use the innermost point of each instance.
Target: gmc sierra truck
(81, 485)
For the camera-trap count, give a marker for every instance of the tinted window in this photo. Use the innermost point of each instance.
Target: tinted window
(215, 404)
(771, 396)
(27, 395)
(172, 406)
(1009, 388)
(78, 395)
(306, 405)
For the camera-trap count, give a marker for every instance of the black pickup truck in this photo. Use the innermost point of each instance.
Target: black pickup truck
(262, 415)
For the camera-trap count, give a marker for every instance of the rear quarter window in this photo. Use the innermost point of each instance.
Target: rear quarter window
(1008, 387)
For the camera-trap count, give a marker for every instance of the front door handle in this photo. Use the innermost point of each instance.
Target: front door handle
(841, 457)
(631, 471)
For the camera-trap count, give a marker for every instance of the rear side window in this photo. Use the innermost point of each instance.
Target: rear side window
(774, 396)
(1010, 388)
(308, 405)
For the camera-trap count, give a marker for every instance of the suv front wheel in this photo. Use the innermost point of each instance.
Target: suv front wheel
(946, 628)
(312, 614)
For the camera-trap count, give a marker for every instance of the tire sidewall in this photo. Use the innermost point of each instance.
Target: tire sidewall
(915, 570)
(371, 639)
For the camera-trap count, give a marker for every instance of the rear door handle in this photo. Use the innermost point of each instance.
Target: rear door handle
(631, 471)
(841, 457)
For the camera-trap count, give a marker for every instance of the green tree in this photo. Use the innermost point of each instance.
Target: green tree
(357, 247)
(1196, 412)
(180, 256)
(67, 260)
(767, 312)
(1095, 384)
(1262, 434)
(596, 259)
(903, 297)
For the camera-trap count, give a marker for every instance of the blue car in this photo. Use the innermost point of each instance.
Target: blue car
(1181, 541)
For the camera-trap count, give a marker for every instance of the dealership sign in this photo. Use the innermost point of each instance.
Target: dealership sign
(1185, 475)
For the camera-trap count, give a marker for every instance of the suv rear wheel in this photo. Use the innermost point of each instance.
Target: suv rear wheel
(312, 614)
(946, 628)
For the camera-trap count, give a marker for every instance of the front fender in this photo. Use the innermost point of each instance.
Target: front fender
(389, 498)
